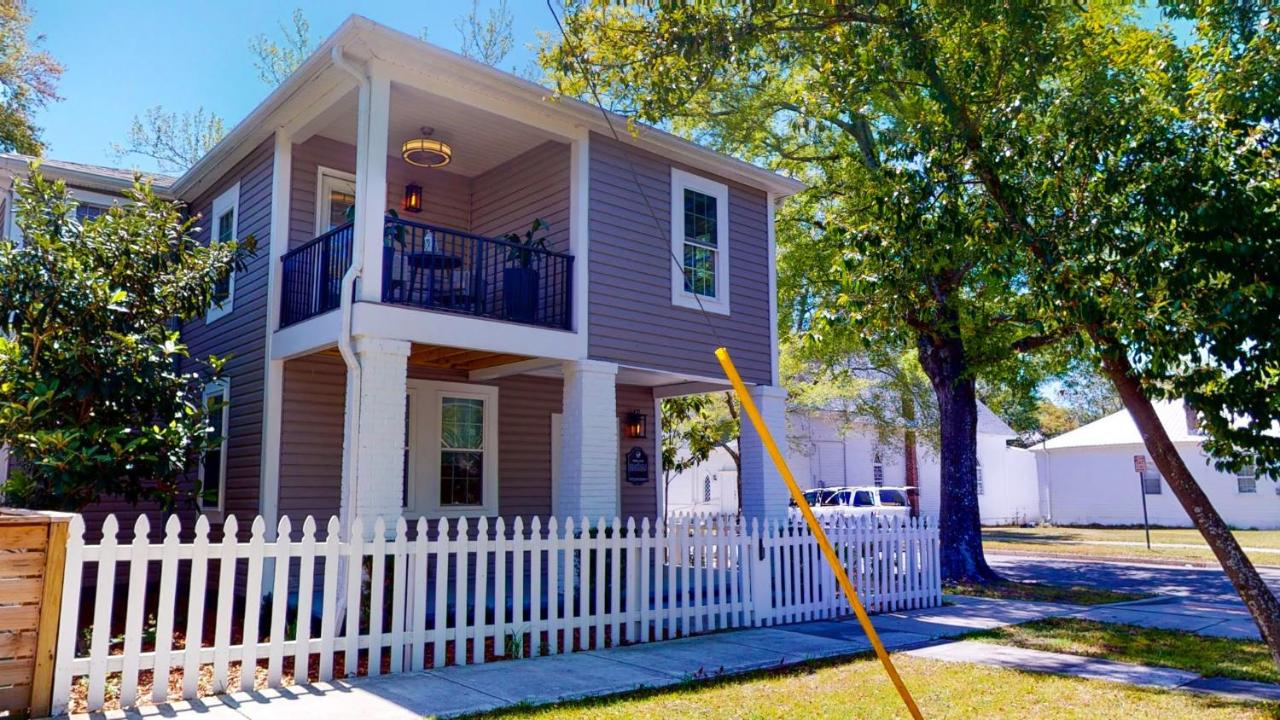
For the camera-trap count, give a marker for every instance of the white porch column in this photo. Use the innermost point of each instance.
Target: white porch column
(371, 178)
(378, 450)
(588, 471)
(764, 495)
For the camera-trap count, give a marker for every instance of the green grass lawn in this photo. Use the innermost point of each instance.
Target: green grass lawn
(1076, 541)
(1073, 595)
(859, 689)
(1208, 656)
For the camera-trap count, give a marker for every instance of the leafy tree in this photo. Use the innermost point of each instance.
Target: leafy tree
(276, 60)
(28, 77)
(695, 425)
(489, 38)
(893, 245)
(175, 141)
(92, 400)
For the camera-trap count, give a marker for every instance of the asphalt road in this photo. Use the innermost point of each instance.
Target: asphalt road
(1205, 584)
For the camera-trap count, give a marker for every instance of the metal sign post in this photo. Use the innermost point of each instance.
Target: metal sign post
(1140, 467)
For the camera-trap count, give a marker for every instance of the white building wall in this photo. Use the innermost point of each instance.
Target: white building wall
(1010, 491)
(1097, 485)
(687, 491)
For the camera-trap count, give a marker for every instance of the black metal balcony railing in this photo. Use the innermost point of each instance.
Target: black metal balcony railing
(312, 275)
(440, 269)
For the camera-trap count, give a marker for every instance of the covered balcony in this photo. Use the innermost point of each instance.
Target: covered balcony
(435, 268)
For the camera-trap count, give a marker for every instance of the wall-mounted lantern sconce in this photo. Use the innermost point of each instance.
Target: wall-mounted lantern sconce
(413, 197)
(636, 425)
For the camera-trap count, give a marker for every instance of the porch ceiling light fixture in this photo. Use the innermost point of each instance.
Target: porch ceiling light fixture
(636, 425)
(426, 151)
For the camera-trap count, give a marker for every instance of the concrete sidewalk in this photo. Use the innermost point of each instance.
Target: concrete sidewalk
(1176, 613)
(475, 688)
(455, 690)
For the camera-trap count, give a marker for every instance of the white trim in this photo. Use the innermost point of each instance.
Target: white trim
(557, 433)
(228, 200)
(326, 176)
(273, 389)
(681, 181)
(579, 227)
(425, 397)
(371, 180)
(91, 197)
(433, 328)
(221, 387)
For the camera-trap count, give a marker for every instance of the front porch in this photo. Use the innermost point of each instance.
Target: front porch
(450, 431)
(428, 236)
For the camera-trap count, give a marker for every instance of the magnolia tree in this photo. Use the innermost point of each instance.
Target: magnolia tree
(1003, 176)
(93, 402)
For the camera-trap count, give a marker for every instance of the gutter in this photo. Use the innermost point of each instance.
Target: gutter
(345, 309)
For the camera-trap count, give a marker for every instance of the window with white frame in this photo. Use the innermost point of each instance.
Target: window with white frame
(212, 473)
(225, 216)
(706, 489)
(1151, 480)
(336, 199)
(1247, 480)
(699, 242)
(453, 449)
(877, 469)
(978, 470)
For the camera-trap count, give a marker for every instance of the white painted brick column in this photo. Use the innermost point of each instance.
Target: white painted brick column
(764, 495)
(588, 471)
(379, 446)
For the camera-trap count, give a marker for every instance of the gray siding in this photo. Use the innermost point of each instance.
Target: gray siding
(241, 334)
(534, 185)
(311, 436)
(446, 196)
(632, 319)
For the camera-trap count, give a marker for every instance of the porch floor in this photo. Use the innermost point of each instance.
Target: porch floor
(459, 690)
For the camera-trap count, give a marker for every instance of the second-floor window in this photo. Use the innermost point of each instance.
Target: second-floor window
(226, 211)
(699, 242)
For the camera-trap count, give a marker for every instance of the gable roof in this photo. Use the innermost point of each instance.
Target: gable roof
(1119, 429)
(94, 177)
(988, 422)
(365, 38)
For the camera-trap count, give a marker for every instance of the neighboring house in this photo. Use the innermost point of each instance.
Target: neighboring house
(94, 188)
(417, 364)
(1088, 476)
(823, 452)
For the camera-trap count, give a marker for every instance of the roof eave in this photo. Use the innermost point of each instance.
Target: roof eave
(255, 127)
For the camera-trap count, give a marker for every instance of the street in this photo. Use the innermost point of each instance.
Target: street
(1205, 584)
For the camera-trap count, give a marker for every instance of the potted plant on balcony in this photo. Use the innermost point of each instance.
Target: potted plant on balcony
(520, 283)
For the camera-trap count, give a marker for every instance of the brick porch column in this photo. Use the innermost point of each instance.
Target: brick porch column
(588, 471)
(376, 487)
(764, 495)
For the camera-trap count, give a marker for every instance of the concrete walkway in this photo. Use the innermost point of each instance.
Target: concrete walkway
(1173, 613)
(468, 689)
(475, 688)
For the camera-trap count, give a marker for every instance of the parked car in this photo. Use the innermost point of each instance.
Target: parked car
(859, 500)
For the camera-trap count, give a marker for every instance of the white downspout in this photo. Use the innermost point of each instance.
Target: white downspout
(345, 308)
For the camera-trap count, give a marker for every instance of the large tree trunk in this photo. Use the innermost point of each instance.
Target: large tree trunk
(960, 528)
(1244, 577)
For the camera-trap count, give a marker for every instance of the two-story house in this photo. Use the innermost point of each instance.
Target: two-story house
(393, 353)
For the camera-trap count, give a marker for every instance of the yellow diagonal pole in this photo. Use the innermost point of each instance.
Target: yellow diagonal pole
(749, 408)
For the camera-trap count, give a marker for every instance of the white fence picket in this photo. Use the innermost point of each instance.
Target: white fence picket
(561, 587)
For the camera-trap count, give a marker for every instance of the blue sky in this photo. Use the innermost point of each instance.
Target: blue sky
(125, 58)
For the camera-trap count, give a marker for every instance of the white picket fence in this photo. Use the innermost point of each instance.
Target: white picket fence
(390, 600)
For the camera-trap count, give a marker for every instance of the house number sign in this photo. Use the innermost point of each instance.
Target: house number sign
(637, 466)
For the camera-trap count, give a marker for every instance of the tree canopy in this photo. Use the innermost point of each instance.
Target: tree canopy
(28, 76)
(92, 400)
